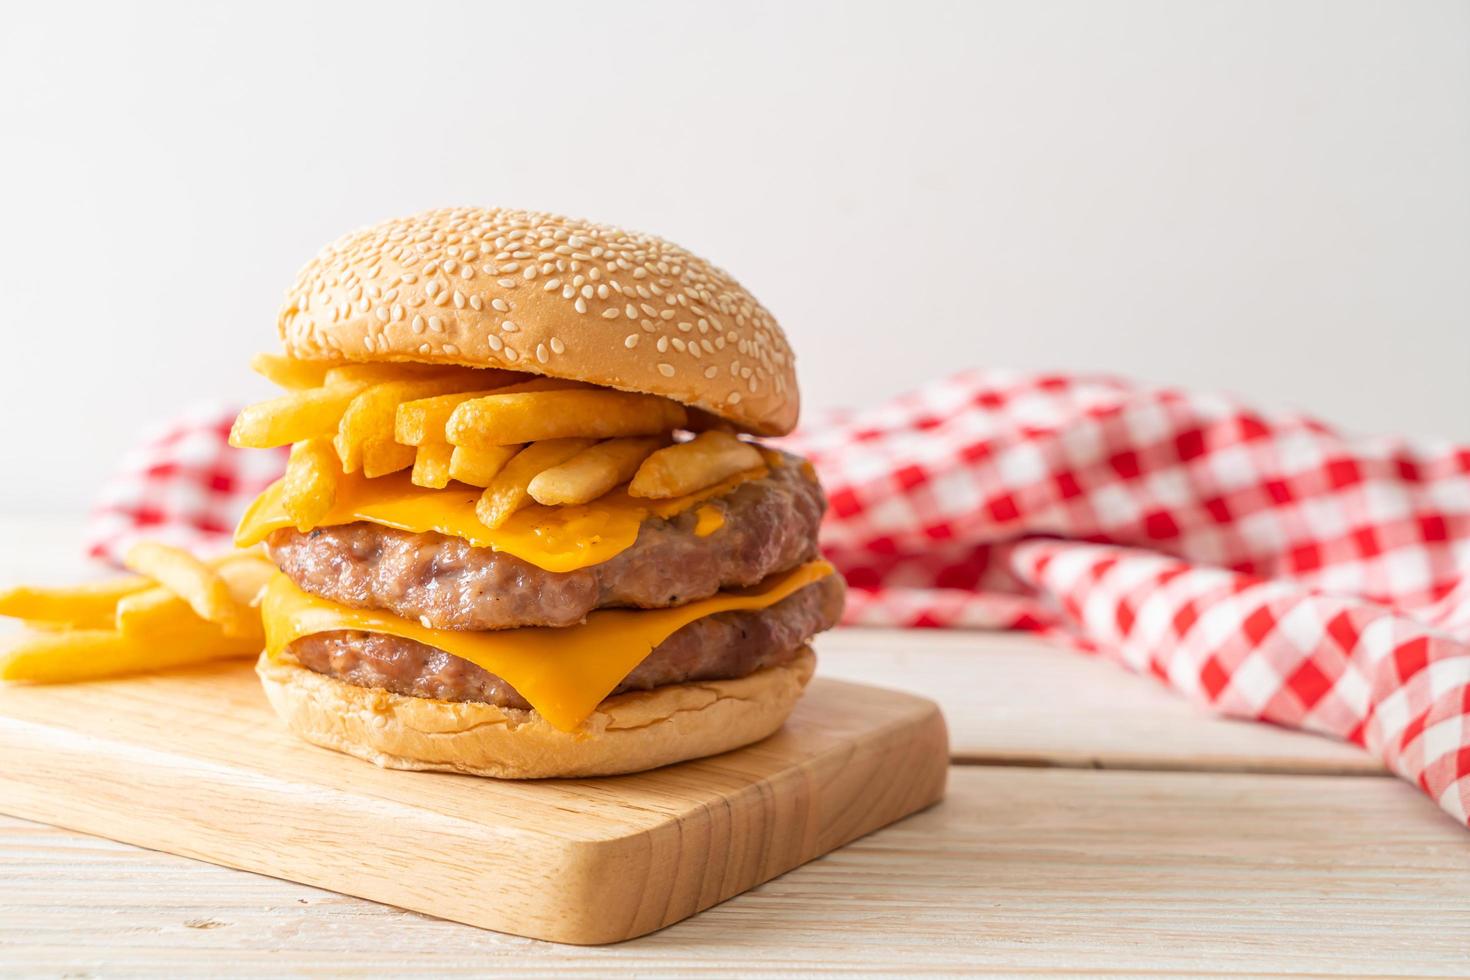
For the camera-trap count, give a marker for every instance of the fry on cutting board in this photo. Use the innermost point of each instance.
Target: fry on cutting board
(138, 623)
(159, 610)
(192, 580)
(89, 606)
(76, 655)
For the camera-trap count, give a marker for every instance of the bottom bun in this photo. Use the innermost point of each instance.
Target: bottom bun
(627, 733)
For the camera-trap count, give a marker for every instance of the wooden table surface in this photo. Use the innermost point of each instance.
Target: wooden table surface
(1095, 824)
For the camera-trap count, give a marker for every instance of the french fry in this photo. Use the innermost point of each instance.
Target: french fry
(308, 414)
(478, 467)
(592, 472)
(370, 416)
(158, 611)
(288, 372)
(701, 462)
(431, 465)
(379, 458)
(77, 655)
(502, 419)
(509, 492)
(309, 488)
(424, 420)
(421, 422)
(89, 606)
(193, 581)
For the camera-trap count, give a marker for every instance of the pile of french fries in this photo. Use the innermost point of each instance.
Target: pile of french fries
(547, 441)
(176, 610)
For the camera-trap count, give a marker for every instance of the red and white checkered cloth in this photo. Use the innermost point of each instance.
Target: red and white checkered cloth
(1267, 567)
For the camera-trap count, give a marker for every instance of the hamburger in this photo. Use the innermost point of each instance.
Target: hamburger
(527, 528)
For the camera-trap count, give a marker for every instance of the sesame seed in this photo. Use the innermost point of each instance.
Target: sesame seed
(662, 345)
(495, 342)
(541, 353)
(557, 347)
(630, 341)
(436, 324)
(476, 303)
(610, 314)
(418, 324)
(580, 306)
(507, 283)
(711, 371)
(667, 370)
(451, 349)
(508, 326)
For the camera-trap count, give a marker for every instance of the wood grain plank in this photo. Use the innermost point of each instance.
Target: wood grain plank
(1019, 870)
(1016, 700)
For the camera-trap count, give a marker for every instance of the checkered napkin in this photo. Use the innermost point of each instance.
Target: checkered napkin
(1267, 567)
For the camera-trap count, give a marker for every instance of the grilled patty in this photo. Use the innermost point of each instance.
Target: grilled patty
(718, 647)
(770, 525)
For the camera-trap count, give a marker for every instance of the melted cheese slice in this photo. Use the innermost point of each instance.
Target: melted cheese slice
(563, 673)
(558, 539)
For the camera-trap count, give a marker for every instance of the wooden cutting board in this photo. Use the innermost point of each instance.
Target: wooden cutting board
(194, 763)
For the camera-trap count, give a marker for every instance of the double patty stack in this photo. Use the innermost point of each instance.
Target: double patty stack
(519, 534)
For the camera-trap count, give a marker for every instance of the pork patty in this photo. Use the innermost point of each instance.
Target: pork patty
(770, 525)
(718, 647)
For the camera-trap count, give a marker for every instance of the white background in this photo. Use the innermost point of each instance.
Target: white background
(1267, 198)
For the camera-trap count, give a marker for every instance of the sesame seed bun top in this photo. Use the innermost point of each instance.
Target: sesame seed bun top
(536, 292)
